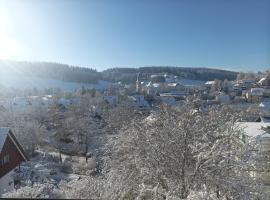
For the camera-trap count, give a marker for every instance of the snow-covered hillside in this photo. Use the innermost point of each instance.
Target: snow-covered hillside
(24, 82)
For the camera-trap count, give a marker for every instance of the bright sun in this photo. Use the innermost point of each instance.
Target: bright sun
(9, 47)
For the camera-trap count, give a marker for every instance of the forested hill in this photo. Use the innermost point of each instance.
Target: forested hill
(126, 75)
(204, 74)
(50, 70)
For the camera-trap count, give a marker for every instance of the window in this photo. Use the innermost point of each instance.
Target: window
(4, 160)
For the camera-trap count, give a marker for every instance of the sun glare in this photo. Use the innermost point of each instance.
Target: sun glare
(9, 47)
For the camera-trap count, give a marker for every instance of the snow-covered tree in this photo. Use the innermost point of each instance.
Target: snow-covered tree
(182, 151)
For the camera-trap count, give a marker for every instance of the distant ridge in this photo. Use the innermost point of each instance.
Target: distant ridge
(203, 74)
(56, 71)
(126, 75)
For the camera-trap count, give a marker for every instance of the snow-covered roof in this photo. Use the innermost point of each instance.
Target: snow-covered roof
(6, 132)
(156, 85)
(149, 84)
(173, 84)
(3, 135)
(262, 80)
(248, 81)
(209, 83)
(253, 129)
(174, 94)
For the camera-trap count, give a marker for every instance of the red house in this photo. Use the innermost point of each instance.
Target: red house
(11, 156)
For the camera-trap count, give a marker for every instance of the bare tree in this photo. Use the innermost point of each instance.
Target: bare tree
(216, 85)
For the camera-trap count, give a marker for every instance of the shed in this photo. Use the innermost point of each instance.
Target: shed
(11, 156)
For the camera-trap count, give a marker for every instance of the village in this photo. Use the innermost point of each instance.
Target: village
(56, 137)
(135, 100)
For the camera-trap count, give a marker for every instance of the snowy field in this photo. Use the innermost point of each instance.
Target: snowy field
(19, 82)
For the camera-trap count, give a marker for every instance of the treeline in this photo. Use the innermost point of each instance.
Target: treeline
(126, 75)
(50, 70)
(204, 74)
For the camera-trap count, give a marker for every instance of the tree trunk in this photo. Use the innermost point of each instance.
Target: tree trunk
(217, 192)
(184, 188)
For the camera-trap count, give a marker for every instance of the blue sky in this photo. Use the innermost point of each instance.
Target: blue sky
(228, 34)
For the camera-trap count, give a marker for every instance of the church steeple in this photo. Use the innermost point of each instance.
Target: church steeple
(138, 83)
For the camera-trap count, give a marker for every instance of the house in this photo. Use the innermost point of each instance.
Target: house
(153, 88)
(209, 84)
(11, 156)
(255, 95)
(247, 83)
(237, 89)
(46, 100)
(177, 95)
(140, 102)
(264, 82)
(266, 93)
(157, 78)
(175, 86)
(169, 78)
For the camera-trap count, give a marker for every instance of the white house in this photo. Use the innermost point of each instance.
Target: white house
(255, 94)
(209, 84)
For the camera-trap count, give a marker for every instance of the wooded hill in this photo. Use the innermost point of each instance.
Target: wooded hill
(126, 75)
(50, 70)
(203, 74)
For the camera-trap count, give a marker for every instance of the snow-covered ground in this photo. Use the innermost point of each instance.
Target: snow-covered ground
(6, 183)
(253, 129)
(25, 82)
